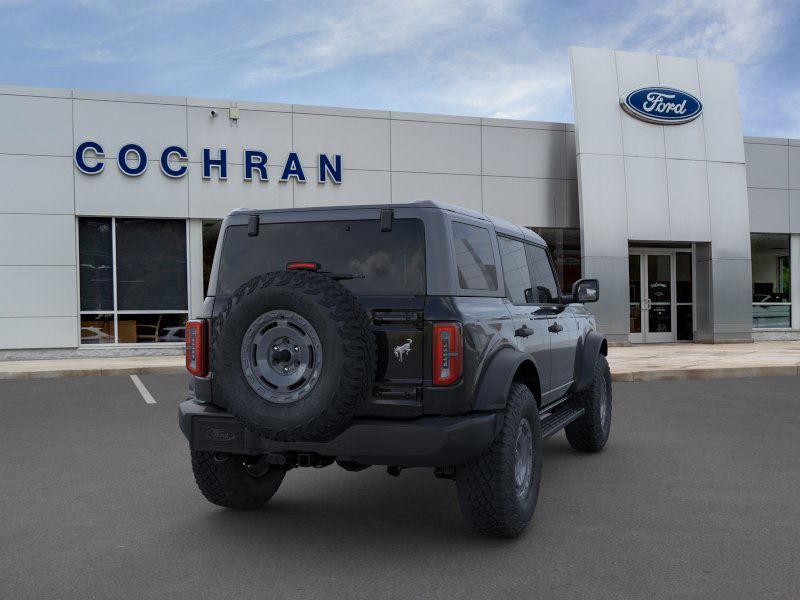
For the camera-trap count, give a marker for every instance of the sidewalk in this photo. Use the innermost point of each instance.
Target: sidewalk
(655, 362)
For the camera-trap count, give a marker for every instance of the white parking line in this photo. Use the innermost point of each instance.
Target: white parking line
(148, 397)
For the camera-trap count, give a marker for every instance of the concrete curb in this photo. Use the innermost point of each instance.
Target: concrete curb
(92, 372)
(616, 375)
(705, 373)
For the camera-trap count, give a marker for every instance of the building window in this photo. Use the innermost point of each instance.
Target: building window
(565, 247)
(772, 306)
(133, 280)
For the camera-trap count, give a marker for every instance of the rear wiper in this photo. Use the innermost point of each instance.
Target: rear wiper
(340, 276)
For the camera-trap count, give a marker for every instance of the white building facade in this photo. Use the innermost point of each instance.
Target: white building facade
(110, 203)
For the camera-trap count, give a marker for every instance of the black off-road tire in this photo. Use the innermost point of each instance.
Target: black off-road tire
(487, 491)
(590, 432)
(224, 480)
(348, 348)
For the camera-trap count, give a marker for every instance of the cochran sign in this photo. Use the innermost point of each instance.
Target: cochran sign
(663, 105)
(132, 161)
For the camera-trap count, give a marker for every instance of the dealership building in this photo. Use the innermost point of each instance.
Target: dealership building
(110, 203)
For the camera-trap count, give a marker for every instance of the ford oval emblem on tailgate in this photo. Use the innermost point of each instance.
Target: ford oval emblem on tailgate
(220, 435)
(662, 105)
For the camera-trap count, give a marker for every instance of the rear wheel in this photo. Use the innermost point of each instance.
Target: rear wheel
(590, 432)
(233, 481)
(498, 490)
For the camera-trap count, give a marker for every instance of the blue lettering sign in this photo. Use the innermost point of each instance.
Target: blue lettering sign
(174, 162)
(293, 168)
(255, 160)
(167, 168)
(662, 105)
(327, 169)
(80, 158)
(221, 163)
(122, 160)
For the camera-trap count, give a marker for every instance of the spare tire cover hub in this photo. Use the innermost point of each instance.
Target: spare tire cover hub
(281, 356)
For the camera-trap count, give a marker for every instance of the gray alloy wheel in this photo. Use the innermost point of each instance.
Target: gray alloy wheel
(281, 356)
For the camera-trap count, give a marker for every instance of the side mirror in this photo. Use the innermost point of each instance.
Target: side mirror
(585, 290)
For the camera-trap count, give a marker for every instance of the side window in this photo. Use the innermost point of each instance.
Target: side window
(515, 270)
(545, 286)
(474, 257)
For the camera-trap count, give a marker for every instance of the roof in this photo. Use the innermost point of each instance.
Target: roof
(500, 225)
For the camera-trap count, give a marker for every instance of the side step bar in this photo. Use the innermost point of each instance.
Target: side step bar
(558, 419)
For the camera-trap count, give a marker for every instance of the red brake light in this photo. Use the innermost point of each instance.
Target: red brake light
(303, 266)
(196, 362)
(448, 353)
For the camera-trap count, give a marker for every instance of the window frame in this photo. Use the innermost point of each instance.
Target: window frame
(115, 313)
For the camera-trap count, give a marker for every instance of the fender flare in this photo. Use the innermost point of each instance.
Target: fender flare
(498, 375)
(593, 345)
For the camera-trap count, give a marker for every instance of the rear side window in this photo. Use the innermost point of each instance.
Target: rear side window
(515, 269)
(392, 262)
(474, 257)
(546, 288)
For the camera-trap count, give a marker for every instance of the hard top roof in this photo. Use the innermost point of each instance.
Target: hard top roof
(500, 225)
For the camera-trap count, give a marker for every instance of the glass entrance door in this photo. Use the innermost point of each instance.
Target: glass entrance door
(661, 295)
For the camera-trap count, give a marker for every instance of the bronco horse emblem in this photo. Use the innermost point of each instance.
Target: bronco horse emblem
(403, 349)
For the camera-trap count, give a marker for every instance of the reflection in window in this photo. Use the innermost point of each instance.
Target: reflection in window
(382, 262)
(515, 270)
(771, 280)
(151, 264)
(97, 329)
(565, 247)
(474, 257)
(546, 288)
(96, 264)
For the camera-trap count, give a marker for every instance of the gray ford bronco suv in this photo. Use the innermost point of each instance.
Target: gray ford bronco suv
(405, 335)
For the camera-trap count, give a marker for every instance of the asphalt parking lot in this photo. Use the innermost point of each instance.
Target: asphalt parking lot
(696, 496)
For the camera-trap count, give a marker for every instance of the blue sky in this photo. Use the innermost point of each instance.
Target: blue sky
(502, 58)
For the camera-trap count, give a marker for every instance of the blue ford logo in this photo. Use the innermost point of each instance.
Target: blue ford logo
(663, 105)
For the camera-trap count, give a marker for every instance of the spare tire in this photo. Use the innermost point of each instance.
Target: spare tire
(294, 355)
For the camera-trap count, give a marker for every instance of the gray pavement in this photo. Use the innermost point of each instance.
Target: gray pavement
(696, 496)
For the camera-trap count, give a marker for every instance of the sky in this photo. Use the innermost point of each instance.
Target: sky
(498, 58)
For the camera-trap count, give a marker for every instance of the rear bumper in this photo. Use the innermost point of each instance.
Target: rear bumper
(424, 442)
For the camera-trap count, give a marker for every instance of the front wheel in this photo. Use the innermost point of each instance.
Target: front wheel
(498, 490)
(230, 481)
(590, 432)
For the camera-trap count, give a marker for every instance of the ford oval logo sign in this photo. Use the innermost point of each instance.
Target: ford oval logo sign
(663, 105)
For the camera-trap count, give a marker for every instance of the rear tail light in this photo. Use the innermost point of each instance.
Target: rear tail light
(196, 347)
(448, 353)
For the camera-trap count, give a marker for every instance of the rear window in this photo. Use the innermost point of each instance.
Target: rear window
(392, 262)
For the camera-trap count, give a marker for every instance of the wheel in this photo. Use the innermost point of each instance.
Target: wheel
(589, 433)
(498, 490)
(294, 355)
(228, 480)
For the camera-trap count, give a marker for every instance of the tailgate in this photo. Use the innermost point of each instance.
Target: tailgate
(397, 323)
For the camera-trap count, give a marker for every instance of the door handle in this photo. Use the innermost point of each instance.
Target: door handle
(555, 328)
(524, 331)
